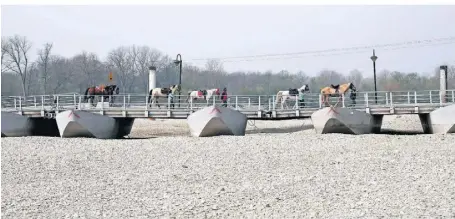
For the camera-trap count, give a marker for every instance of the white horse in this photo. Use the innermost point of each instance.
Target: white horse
(155, 93)
(202, 94)
(284, 95)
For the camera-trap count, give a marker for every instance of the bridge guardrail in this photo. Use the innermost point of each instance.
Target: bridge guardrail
(240, 102)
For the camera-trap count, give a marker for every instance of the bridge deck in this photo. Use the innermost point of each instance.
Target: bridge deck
(255, 107)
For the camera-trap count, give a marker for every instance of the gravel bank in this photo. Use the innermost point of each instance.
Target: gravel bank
(264, 174)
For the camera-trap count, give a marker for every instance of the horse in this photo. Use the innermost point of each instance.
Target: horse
(202, 94)
(336, 91)
(284, 95)
(104, 92)
(155, 93)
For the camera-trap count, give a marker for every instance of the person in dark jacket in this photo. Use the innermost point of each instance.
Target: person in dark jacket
(224, 97)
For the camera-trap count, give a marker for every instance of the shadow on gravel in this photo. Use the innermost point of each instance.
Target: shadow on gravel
(400, 132)
(136, 138)
(281, 130)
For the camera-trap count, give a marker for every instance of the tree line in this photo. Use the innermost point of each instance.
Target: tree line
(51, 73)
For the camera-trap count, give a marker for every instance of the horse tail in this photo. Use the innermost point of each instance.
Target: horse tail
(189, 96)
(85, 94)
(150, 95)
(279, 96)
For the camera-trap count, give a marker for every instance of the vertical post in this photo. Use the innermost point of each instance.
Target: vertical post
(273, 102)
(320, 101)
(102, 104)
(391, 99)
(415, 97)
(20, 104)
(168, 103)
(34, 100)
(236, 102)
(453, 96)
(124, 102)
(80, 105)
(386, 99)
(441, 100)
(146, 101)
(178, 61)
(75, 100)
(42, 102)
(15, 103)
(443, 83)
(374, 58)
(296, 105)
(259, 103)
(214, 100)
(57, 105)
(249, 102)
(342, 99)
(409, 98)
(366, 100)
(431, 97)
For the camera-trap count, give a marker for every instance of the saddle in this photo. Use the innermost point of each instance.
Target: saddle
(336, 87)
(202, 93)
(165, 90)
(99, 89)
(293, 92)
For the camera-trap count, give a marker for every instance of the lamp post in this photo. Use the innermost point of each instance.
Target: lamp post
(178, 61)
(374, 58)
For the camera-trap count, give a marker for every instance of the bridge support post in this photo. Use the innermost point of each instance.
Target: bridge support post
(426, 123)
(376, 123)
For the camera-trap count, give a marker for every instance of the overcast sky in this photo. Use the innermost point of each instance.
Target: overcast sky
(225, 31)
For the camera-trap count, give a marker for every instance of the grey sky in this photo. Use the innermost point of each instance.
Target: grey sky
(220, 31)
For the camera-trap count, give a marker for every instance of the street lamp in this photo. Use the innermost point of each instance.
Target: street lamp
(374, 58)
(178, 61)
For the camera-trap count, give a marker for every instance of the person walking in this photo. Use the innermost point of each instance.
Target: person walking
(224, 97)
(171, 100)
(301, 99)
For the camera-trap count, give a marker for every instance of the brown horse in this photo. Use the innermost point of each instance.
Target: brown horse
(336, 91)
(103, 91)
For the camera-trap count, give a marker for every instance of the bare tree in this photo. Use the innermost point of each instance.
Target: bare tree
(215, 66)
(43, 64)
(17, 50)
(61, 72)
(119, 59)
(88, 66)
(147, 57)
(6, 61)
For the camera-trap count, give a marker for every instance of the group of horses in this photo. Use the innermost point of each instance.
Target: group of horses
(281, 97)
(326, 92)
(156, 93)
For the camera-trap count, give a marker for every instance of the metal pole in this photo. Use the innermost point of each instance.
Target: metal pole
(374, 58)
(178, 60)
(375, 85)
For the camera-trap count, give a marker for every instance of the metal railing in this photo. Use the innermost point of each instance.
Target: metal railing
(239, 102)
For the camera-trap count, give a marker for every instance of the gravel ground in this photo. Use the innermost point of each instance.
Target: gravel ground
(270, 173)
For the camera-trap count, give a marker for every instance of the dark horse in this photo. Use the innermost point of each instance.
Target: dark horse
(105, 92)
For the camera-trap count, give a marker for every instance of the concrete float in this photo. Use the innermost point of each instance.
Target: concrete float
(15, 125)
(214, 121)
(76, 123)
(342, 120)
(440, 121)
